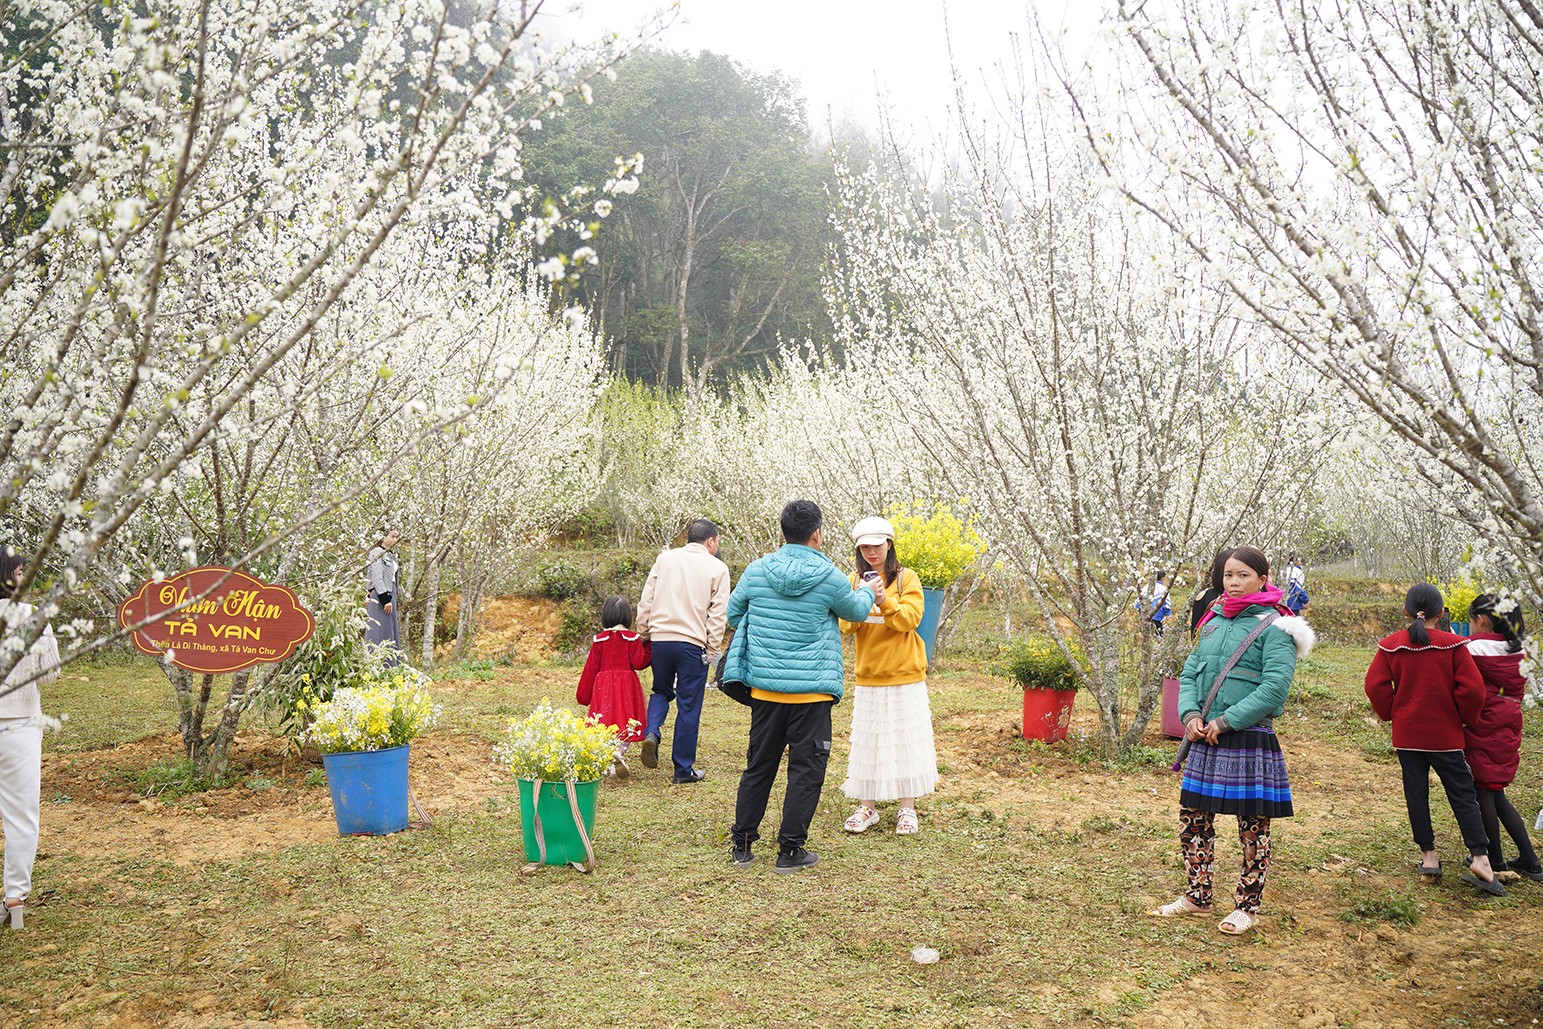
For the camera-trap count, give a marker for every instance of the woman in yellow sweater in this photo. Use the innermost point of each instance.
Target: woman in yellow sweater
(893, 757)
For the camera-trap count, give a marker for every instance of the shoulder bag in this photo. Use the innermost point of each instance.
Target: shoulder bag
(736, 691)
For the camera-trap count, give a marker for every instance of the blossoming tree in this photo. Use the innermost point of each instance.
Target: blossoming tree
(1054, 365)
(1364, 178)
(212, 209)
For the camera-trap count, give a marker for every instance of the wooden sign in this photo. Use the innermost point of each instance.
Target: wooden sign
(242, 622)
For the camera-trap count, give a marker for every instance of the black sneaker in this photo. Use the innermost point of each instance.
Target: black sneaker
(695, 775)
(741, 856)
(650, 751)
(796, 860)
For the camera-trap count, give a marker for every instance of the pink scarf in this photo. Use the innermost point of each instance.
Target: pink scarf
(1231, 607)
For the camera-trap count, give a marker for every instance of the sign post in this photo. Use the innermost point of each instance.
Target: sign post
(242, 621)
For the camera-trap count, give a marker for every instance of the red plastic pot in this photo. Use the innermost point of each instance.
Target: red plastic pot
(1047, 714)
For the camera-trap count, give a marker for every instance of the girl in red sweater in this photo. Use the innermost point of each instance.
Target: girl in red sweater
(1494, 742)
(609, 685)
(1424, 681)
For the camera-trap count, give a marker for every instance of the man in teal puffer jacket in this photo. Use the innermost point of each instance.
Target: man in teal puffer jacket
(787, 649)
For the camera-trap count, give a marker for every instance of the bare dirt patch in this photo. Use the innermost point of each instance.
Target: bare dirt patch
(1304, 966)
(510, 628)
(92, 805)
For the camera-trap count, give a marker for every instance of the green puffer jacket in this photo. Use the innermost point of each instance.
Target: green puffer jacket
(784, 612)
(1255, 690)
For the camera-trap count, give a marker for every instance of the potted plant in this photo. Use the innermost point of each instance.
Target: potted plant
(938, 546)
(1459, 595)
(1049, 680)
(557, 759)
(363, 734)
(335, 657)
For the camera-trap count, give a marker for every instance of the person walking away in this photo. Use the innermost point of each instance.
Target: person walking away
(787, 649)
(609, 684)
(893, 756)
(682, 614)
(1158, 602)
(1232, 688)
(382, 628)
(1425, 682)
(1492, 745)
(21, 740)
(1296, 587)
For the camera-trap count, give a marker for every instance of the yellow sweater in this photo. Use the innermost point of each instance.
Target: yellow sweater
(889, 652)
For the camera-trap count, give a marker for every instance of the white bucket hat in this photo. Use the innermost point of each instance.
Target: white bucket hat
(872, 531)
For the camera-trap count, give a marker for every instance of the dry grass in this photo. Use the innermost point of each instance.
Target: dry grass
(1030, 875)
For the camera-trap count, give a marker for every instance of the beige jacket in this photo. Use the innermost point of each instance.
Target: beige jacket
(686, 598)
(38, 665)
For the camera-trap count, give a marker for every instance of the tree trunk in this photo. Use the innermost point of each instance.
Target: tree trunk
(215, 760)
(682, 290)
(466, 623)
(1103, 648)
(430, 612)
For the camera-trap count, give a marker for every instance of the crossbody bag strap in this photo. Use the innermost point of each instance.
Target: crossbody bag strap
(1210, 698)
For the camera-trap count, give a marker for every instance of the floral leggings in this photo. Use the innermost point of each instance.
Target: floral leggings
(1197, 838)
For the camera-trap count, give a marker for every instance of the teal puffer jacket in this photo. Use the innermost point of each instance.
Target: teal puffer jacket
(1256, 687)
(784, 613)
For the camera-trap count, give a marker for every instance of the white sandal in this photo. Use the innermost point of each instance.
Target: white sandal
(1175, 908)
(906, 823)
(1237, 923)
(863, 819)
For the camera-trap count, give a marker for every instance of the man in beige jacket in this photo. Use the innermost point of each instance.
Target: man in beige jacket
(683, 612)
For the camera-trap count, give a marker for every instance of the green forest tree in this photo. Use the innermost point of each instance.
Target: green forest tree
(719, 251)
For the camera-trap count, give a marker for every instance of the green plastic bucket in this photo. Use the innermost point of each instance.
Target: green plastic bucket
(552, 814)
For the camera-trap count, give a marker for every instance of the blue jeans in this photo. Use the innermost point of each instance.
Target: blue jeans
(679, 675)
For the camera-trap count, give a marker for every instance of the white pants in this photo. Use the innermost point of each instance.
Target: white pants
(21, 795)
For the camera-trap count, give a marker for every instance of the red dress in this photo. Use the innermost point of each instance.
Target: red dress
(610, 683)
(1494, 742)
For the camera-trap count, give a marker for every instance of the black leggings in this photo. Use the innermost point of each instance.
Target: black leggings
(1497, 811)
(1457, 779)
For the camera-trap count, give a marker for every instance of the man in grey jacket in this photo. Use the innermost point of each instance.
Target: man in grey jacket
(682, 612)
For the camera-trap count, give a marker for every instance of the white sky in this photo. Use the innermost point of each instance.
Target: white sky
(848, 52)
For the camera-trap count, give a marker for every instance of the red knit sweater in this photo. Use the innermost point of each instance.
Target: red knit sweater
(1429, 693)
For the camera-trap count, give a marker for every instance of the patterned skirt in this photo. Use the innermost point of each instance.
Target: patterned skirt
(1244, 774)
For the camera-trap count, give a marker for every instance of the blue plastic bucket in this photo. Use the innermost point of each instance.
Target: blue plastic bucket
(369, 790)
(932, 611)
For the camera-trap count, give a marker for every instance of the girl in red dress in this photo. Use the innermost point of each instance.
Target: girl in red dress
(609, 685)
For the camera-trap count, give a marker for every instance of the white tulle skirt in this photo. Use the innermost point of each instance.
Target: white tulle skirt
(893, 755)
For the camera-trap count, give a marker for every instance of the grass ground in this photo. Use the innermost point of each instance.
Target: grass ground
(242, 907)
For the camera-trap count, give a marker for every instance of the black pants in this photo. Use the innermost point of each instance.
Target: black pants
(803, 730)
(1498, 810)
(1457, 779)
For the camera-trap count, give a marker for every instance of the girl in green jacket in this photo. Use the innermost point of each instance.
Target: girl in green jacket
(1235, 763)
